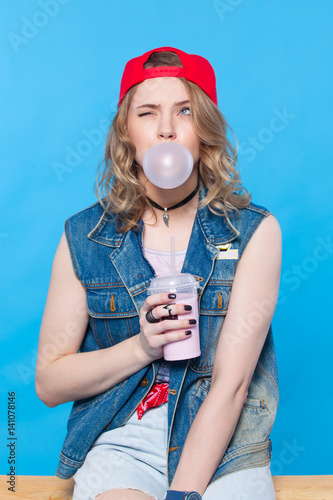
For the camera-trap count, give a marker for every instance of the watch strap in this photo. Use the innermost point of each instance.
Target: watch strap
(182, 495)
(175, 495)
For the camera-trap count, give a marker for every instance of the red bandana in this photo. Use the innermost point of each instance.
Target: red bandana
(157, 396)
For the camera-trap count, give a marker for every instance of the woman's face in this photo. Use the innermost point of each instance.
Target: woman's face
(160, 111)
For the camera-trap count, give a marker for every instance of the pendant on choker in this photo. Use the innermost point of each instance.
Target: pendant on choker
(180, 204)
(166, 217)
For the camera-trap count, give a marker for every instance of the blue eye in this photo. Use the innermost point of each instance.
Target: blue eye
(185, 111)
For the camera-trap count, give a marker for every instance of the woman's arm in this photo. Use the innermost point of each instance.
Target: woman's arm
(255, 288)
(62, 373)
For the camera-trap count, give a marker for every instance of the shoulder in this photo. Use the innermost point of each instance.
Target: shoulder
(259, 209)
(91, 213)
(267, 221)
(256, 224)
(261, 250)
(268, 232)
(265, 242)
(246, 219)
(82, 231)
(87, 220)
(252, 212)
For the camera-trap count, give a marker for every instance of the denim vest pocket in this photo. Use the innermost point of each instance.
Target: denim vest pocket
(113, 316)
(197, 396)
(254, 425)
(215, 298)
(111, 301)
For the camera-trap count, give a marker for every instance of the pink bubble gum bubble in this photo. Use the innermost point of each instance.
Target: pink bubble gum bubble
(168, 165)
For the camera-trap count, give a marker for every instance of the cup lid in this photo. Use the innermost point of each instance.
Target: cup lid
(177, 281)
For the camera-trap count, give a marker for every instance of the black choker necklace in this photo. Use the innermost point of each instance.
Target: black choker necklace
(180, 204)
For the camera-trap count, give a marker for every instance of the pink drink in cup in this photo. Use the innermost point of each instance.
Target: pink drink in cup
(185, 287)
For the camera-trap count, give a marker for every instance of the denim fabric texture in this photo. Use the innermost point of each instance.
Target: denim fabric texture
(116, 275)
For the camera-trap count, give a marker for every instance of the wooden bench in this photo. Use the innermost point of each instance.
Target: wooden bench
(53, 488)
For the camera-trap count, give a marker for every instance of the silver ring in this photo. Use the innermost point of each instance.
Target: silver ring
(150, 318)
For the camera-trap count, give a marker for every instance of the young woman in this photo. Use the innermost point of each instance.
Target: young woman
(141, 427)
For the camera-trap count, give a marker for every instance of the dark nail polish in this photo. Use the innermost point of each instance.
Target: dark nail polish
(172, 295)
(188, 332)
(188, 308)
(192, 321)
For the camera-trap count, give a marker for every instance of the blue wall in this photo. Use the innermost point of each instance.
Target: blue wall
(61, 64)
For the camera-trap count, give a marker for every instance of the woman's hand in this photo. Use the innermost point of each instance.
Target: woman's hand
(166, 327)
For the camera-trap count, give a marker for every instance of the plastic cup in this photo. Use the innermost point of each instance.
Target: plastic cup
(185, 287)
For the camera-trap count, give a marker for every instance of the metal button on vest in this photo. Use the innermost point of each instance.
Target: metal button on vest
(144, 382)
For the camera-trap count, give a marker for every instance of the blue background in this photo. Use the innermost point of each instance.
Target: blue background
(60, 75)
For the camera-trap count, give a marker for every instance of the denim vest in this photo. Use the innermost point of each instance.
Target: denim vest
(116, 275)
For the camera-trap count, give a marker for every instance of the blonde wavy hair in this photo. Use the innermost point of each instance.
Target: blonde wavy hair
(118, 188)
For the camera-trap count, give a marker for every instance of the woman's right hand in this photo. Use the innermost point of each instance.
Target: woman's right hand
(167, 328)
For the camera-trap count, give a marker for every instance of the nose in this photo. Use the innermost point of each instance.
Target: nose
(166, 128)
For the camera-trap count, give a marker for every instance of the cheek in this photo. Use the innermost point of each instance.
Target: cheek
(140, 147)
(135, 136)
(191, 138)
(138, 131)
(139, 156)
(142, 139)
(195, 148)
(132, 131)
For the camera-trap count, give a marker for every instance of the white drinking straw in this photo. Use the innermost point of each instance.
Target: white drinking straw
(173, 263)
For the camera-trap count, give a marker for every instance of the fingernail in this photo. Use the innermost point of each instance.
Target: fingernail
(192, 321)
(188, 308)
(172, 295)
(188, 332)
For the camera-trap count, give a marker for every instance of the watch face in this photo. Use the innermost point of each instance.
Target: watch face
(193, 496)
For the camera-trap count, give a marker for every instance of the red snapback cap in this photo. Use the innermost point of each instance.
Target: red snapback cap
(195, 69)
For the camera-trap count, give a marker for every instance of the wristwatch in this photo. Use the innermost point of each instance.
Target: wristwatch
(182, 495)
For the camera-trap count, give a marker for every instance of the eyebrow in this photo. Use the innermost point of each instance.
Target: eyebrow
(156, 106)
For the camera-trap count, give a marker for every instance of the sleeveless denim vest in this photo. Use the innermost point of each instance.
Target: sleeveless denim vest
(116, 275)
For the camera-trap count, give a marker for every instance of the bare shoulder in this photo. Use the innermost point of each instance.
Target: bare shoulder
(65, 288)
(261, 259)
(268, 228)
(267, 237)
(62, 269)
(62, 255)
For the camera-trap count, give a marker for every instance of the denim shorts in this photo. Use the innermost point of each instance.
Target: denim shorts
(134, 457)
